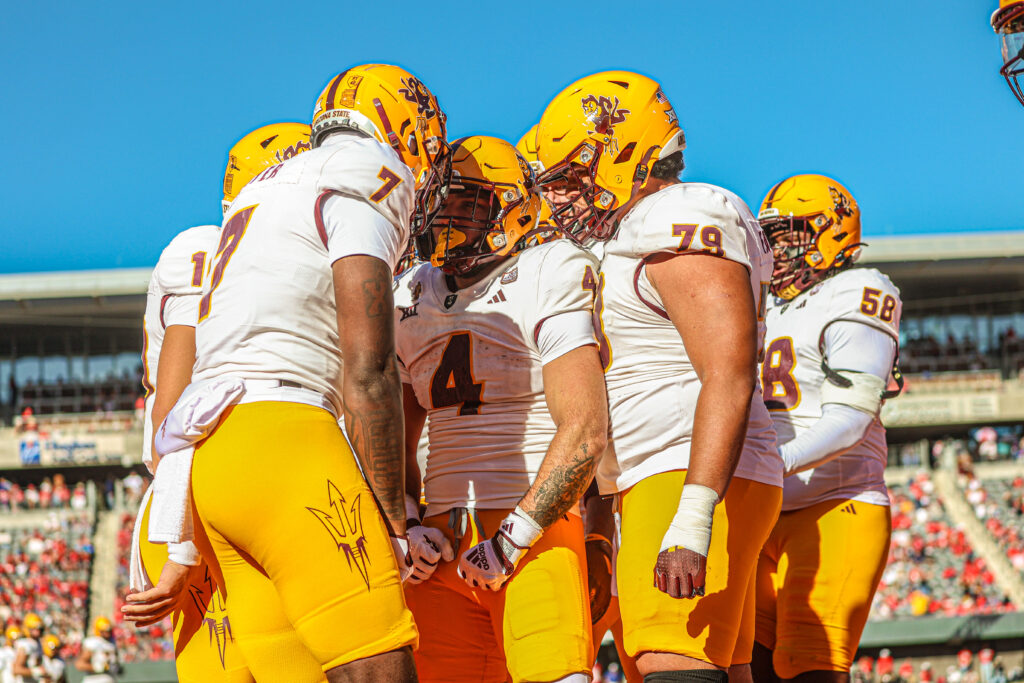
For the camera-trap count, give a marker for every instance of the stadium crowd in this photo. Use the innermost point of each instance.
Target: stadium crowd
(927, 354)
(932, 568)
(45, 569)
(984, 666)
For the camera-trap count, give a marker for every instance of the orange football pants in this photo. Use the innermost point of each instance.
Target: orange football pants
(816, 578)
(536, 628)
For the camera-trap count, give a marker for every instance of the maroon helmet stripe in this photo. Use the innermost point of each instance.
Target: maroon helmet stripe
(329, 104)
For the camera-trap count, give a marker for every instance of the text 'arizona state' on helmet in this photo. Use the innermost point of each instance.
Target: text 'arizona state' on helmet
(813, 225)
(1008, 22)
(490, 211)
(264, 147)
(393, 106)
(597, 141)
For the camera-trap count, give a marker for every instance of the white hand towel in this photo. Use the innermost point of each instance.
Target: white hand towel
(193, 417)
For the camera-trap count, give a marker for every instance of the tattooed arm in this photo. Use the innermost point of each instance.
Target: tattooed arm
(574, 389)
(372, 391)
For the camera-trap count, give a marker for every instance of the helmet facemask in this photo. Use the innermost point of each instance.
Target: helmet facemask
(580, 208)
(432, 185)
(792, 239)
(467, 231)
(1011, 36)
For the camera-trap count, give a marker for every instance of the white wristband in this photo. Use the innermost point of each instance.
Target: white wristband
(184, 553)
(520, 528)
(691, 526)
(412, 508)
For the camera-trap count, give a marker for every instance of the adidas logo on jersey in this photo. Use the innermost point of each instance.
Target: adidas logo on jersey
(848, 508)
(499, 297)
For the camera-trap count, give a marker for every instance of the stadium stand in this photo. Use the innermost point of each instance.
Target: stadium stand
(45, 565)
(933, 568)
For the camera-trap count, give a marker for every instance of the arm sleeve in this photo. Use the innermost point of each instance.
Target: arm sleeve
(181, 310)
(838, 429)
(560, 334)
(849, 346)
(354, 227)
(860, 348)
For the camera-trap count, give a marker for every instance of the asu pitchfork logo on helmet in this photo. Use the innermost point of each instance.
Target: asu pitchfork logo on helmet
(260, 149)
(1008, 22)
(491, 209)
(813, 225)
(597, 142)
(393, 106)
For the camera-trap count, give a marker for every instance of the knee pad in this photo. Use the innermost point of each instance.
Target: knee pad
(688, 676)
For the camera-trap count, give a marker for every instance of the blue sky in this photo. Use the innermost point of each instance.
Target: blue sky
(117, 116)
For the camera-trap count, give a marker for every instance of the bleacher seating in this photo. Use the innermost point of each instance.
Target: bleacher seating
(1002, 511)
(932, 567)
(45, 568)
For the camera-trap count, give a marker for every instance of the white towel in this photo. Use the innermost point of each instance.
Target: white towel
(192, 418)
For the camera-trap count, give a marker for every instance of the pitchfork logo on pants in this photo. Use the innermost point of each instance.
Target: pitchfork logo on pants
(346, 529)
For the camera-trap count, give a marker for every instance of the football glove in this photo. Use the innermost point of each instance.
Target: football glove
(682, 561)
(489, 563)
(400, 545)
(427, 545)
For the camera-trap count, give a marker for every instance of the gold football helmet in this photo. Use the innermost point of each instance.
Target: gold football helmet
(12, 634)
(1008, 22)
(813, 225)
(597, 141)
(31, 622)
(527, 146)
(260, 149)
(393, 106)
(51, 644)
(490, 211)
(102, 627)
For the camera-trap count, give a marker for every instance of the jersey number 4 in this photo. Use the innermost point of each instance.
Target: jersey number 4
(453, 383)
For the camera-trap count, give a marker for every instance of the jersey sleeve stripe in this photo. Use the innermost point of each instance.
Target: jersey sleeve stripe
(318, 214)
(636, 288)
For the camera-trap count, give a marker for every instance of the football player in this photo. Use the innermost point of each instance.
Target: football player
(598, 516)
(1008, 22)
(52, 662)
(302, 278)
(28, 651)
(7, 653)
(99, 655)
(680, 290)
(496, 343)
(833, 335)
(204, 646)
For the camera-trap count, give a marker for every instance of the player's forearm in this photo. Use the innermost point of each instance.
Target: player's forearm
(565, 473)
(838, 429)
(599, 519)
(373, 418)
(719, 428)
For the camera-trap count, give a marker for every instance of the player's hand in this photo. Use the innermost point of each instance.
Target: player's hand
(427, 545)
(680, 573)
(148, 607)
(489, 563)
(682, 562)
(599, 576)
(400, 545)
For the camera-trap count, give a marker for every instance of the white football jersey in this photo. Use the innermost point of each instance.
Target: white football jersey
(475, 357)
(652, 385)
(33, 657)
(55, 667)
(103, 654)
(172, 299)
(792, 378)
(7, 654)
(267, 309)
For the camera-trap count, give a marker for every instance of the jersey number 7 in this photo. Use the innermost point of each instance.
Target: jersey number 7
(230, 235)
